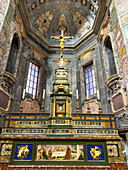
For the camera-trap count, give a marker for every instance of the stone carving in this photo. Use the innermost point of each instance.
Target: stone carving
(117, 93)
(115, 84)
(7, 82)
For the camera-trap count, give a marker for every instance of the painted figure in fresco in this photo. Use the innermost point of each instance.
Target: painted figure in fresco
(42, 154)
(23, 152)
(60, 149)
(81, 157)
(51, 151)
(61, 42)
(68, 153)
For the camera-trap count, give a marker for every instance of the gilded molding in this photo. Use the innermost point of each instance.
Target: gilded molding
(89, 50)
(38, 51)
(19, 21)
(9, 74)
(104, 25)
(56, 61)
(111, 77)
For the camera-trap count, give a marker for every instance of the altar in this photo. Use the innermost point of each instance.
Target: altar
(33, 138)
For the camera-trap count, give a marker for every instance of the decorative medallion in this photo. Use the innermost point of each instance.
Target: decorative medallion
(23, 152)
(84, 2)
(113, 150)
(63, 6)
(95, 153)
(41, 1)
(6, 149)
(33, 5)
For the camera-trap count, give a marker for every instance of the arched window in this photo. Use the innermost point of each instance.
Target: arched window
(90, 84)
(110, 56)
(13, 54)
(32, 86)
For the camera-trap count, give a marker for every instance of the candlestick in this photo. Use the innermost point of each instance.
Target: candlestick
(76, 94)
(77, 107)
(61, 61)
(42, 109)
(23, 94)
(33, 96)
(88, 107)
(21, 106)
(43, 93)
(98, 95)
(100, 109)
(32, 106)
(87, 94)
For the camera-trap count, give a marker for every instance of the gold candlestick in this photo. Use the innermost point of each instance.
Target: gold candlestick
(21, 106)
(88, 107)
(77, 107)
(42, 109)
(32, 106)
(100, 110)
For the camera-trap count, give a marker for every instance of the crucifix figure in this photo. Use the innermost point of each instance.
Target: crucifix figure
(62, 38)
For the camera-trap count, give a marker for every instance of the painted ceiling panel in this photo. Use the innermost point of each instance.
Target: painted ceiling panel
(74, 17)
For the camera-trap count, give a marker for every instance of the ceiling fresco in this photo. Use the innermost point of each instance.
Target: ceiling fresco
(74, 17)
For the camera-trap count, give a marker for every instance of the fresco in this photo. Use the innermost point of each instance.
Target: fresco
(59, 152)
(95, 153)
(23, 152)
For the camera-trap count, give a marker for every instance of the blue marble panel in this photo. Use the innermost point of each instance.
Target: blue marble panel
(23, 152)
(95, 153)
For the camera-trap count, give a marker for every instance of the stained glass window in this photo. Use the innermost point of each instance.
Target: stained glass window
(90, 84)
(32, 85)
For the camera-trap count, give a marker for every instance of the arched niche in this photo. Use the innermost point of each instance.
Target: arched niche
(13, 54)
(110, 56)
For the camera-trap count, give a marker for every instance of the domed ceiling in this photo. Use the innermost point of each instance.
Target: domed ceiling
(74, 17)
(45, 18)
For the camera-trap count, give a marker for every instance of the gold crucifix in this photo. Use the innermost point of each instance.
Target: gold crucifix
(62, 38)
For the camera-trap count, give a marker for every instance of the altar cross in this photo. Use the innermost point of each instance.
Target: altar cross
(62, 38)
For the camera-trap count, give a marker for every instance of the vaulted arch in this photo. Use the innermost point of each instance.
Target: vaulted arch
(110, 56)
(13, 54)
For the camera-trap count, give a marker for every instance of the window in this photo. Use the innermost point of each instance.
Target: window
(90, 84)
(110, 56)
(13, 54)
(32, 85)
